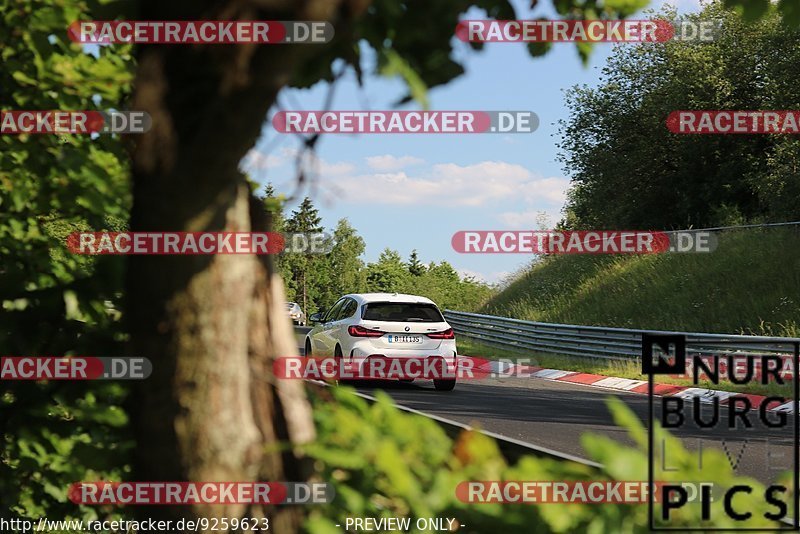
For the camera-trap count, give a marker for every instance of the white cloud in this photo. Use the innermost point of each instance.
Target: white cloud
(534, 220)
(387, 162)
(494, 277)
(255, 160)
(457, 185)
(288, 152)
(340, 168)
(313, 163)
(552, 190)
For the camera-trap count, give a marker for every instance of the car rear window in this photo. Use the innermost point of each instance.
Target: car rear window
(402, 312)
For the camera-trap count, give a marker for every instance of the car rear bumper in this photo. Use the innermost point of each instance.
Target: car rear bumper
(412, 364)
(362, 352)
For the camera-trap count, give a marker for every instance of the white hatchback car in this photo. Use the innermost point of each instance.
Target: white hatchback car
(390, 325)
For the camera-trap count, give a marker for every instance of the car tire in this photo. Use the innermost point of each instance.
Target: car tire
(308, 348)
(444, 384)
(339, 357)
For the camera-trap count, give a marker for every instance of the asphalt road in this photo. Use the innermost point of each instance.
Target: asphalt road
(556, 414)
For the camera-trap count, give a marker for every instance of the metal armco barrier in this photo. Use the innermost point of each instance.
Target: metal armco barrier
(596, 341)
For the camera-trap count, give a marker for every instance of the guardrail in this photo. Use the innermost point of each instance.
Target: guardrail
(596, 341)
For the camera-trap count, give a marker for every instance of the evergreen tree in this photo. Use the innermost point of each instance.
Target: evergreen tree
(415, 267)
(273, 203)
(301, 267)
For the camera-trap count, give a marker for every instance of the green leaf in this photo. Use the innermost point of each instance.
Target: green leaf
(23, 78)
(791, 11)
(395, 65)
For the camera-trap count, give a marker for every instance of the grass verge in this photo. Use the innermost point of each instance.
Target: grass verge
(749, 285)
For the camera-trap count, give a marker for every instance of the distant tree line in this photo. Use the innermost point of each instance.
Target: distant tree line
(317, 281)
(630, 171)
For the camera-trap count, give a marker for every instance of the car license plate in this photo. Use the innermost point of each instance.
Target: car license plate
(403, 338)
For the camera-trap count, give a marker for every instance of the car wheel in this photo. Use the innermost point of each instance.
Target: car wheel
(308, 348)
(444, 384)
(337, 355)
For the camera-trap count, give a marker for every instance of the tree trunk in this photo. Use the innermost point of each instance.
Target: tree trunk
(211, 324)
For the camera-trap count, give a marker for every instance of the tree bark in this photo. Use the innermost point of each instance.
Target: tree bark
(211, 325)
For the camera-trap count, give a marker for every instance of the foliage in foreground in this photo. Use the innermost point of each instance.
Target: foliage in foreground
(386, 463)
(383, 462)
(52, 302)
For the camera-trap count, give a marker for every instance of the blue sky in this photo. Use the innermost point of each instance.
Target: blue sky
(415, 191)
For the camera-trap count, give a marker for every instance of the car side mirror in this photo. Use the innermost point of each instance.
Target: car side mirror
(315, 318)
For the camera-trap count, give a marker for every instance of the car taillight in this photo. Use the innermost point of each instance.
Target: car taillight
(360, 331)
(444, 334)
